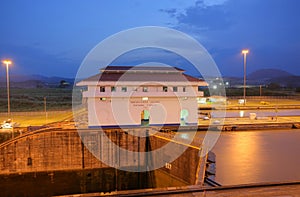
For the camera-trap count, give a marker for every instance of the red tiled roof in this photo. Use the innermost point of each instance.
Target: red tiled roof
(143, 74)
(140, 68)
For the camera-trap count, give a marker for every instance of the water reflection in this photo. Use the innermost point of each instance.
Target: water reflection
(257, 156)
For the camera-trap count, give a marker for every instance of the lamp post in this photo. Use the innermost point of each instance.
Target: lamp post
(45, 109)
(245, 52)
(7, 63)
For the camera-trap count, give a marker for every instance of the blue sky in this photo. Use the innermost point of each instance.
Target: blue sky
(52, 37)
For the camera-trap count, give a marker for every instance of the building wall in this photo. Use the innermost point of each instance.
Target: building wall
(127, 111)
(113, 109)
(135, 90)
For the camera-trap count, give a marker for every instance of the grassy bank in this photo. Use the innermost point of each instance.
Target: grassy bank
(34, 99)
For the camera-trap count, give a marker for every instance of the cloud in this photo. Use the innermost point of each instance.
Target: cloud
(213, 2)
(241, 19)
(270, 28)
(206, 18)
(171, 12)
(204, 15)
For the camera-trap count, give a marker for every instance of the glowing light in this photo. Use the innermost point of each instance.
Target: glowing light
(7, 62)
(245, 51)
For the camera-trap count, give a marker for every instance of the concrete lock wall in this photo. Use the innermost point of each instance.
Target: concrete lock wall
(49, 150)
(62, 151)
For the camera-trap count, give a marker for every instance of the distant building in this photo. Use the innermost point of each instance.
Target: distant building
(141, 96)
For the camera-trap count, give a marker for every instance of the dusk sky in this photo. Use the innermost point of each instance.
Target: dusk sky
(52, 37)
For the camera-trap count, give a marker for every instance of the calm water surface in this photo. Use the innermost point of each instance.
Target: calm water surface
(257, 156)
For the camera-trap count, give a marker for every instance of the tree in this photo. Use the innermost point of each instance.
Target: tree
(63, 84)
(274, 86)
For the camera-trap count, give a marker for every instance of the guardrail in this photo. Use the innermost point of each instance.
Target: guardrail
(265, 97)
(26, 113)
(211, 182)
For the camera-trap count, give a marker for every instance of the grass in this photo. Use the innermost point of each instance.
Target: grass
(28, 105)
(33, 99)
(255, 91)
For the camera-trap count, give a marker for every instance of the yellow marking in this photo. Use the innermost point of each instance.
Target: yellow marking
(181, 143)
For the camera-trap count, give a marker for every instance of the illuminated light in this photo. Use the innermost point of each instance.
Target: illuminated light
(145, 99)
(242, 114)
(7, 62)
(102, 99)
(184, 136)
(215, 87)
(245, 51)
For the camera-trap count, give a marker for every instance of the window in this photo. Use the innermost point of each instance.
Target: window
(145, 89)
(165, 89)
(202, 88)
(102, 89)
(145, 99)
(183, 89)
(112, 88)
(175, 89)
(124, 89)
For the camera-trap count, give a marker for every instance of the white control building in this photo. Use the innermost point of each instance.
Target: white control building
(127, 96)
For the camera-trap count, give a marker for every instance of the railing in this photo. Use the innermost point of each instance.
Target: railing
(265, 97)
(211, 182)
(28, 113)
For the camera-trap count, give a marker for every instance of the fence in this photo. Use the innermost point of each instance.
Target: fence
(265, 97)
(34, 113)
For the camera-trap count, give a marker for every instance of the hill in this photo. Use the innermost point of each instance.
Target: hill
(276, 76)
(265, 77)
(267, 74)
(32, 81)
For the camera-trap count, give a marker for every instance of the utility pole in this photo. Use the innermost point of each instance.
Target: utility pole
(45, 109)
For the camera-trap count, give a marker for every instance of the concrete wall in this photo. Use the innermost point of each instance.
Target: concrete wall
(56, 150)
(51, 183)
(46, 150)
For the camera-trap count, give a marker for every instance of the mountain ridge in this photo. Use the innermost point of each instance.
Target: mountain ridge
(258, 77)
(268, 74)
(36, 77)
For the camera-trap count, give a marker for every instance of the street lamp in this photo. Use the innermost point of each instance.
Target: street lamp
(7, 63)
(245, 52)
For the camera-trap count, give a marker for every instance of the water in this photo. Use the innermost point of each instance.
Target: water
(257, 156)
